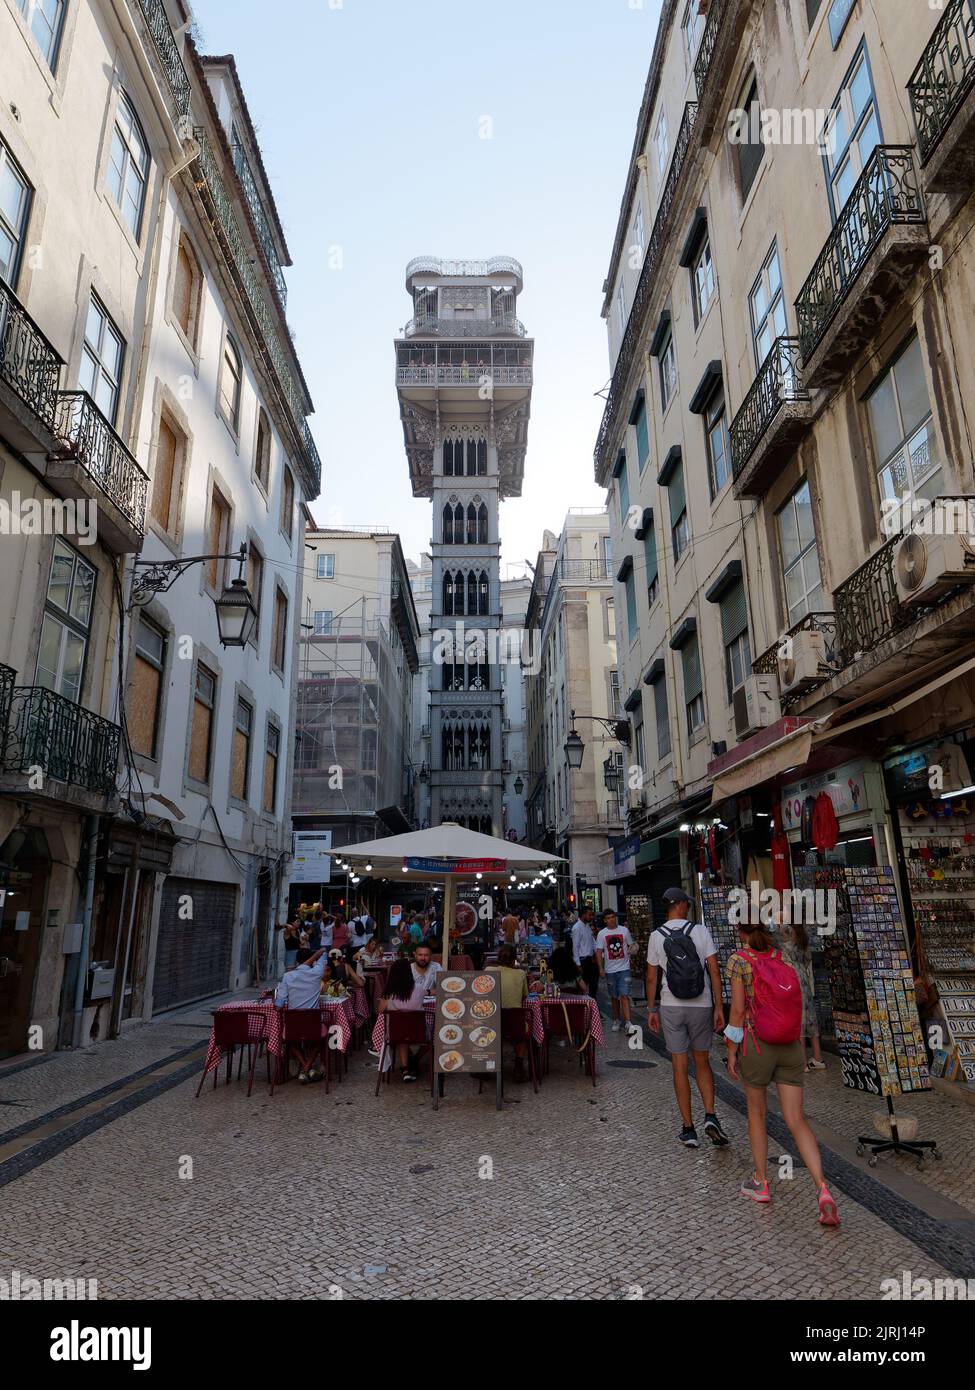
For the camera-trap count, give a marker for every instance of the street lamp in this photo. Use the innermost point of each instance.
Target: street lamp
(424, 774)
(519, 785)
(574, 746)
(236, 612)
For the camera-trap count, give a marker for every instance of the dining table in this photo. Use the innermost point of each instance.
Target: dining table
(264, 1024)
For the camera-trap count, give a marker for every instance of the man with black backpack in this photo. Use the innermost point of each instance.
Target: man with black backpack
(690, 1008)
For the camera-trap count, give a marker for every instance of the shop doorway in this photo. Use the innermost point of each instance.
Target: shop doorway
(25, 867)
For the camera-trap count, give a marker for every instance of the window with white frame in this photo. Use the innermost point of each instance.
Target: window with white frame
(855, 132)
(693, 688)
(44, 19)
(325, 567)
(639, 236)
(621, 306)
(903, 428)
(667, 362)
(800, 556)
(693, 24)
(128, 165)
(734, 635)
(702, 280)
(231, 378)
(66, 624)
(766, 306)
(101, 360)
(323, 622)
(15, 199)
(718, 443)
(680, 530)
(661, 143)
(750, 147)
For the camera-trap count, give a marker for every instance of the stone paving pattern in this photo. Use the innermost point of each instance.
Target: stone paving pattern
(591, 1196)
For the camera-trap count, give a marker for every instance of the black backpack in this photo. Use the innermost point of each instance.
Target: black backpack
(685, 973)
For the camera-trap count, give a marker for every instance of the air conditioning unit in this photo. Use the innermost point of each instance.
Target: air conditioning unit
(634, 799)
(756, 705)
(801, 669)
(925, 567)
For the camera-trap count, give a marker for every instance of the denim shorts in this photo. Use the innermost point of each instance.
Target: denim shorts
(618, 984)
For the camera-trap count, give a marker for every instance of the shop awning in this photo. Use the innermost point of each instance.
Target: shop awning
(769, 761)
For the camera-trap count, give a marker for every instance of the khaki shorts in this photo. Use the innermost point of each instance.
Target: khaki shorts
(783, 1063)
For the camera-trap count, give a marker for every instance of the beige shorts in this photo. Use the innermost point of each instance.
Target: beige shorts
(783, 1063)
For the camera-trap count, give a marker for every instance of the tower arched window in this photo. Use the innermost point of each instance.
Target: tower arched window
(472, 458)
(448, 525)
(482, 457)
(459, 524)
(471, 524)
(482, 525)
(448, 594)
(472, 592)
(483, 593)
(448, 458)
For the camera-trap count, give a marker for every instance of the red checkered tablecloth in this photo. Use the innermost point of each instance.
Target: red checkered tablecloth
(265, 1022)
(595, 1021)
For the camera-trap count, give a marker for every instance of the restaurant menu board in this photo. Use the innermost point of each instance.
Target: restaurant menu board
(467, 1022)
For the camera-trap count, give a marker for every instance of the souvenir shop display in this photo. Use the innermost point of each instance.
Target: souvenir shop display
(715, 909)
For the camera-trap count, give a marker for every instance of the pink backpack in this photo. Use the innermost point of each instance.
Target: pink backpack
(775, 1010)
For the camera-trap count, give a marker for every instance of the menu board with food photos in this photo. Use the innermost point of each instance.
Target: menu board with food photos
(467, 1022)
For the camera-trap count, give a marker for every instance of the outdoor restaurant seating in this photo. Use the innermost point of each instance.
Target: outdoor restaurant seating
(407, 1027)
(233, 1032)
(516, 1027)
(572, 1019)
(302, 1037)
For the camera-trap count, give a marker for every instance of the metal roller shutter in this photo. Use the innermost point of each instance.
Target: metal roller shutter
(193, 957)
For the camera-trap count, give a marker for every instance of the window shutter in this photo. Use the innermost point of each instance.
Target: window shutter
(642, 436)
(692, 670)
(734, 613)
(675, 491)
(650, 550)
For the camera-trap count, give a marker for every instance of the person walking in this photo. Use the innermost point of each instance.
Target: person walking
(691, 1011)
(584, 950)
(794, 940)
(613, 947)
(764, 1045)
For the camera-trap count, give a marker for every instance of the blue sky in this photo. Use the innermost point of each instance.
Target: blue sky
(369, 115)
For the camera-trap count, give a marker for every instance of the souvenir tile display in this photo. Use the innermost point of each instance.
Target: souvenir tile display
(715, 908)
(825, 878)
(940, 860)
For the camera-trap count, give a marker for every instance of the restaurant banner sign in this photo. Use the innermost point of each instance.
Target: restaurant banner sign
(456, 866)
(467, 1022)
(624, 856)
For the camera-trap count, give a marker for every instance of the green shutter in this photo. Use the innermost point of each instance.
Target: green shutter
(734, 613)
(660, 711)
(630, 605)
(675, 491)
(650, 550)
(692, 669)
(642, 436)
(623, 483)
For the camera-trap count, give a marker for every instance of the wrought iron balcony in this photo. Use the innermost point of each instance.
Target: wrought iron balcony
(583, 571)
(85, 436)
(170, 60)
(463, 376)
(709, 41)
(29, 364)
(768, 663)
(68, 743)
(264, 234)
(209, 180)
(940, 87)
(868, 609)
(7, 678)
(887, 196)
(773, 416)
(429, 325)
(617, 401)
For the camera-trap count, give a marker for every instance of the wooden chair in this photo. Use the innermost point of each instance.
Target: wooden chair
(406, 1026)
(232, 1030)
(301, 1036)
(516, 1027)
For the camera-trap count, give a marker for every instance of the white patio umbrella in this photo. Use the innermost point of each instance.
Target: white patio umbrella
(445, 853)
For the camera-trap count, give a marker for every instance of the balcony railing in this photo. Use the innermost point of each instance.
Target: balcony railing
(157, 22)
(867, 606)
(28, 363)
(945, 75)
(69, 743)
(779, 382)
(583, 571)
(264, 234)
(463, 376)
(709, 41)
(768, 663)
(208, 176)
(615, 400)
(887, 194)
(85, 435)
(507, 326)
(7, 677)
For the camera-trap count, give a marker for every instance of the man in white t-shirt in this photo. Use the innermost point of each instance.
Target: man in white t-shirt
(689, 1023)
(613, 946)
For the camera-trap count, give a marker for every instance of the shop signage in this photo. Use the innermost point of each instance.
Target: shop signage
(624, 856)
(839, 15)
(846, 787)
(456, 866)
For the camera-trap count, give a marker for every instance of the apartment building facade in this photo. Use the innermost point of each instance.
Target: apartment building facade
(571, 622)
(147, 371)
(786, 310)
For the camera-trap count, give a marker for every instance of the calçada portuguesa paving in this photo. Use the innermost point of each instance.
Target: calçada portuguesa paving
(573, 1193)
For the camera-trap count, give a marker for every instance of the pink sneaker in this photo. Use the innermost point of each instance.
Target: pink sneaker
(828, 1215)
(756, 1191)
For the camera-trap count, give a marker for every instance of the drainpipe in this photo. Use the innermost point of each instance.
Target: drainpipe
(79, 984)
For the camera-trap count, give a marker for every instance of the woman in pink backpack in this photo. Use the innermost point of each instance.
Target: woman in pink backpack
(764, 1044)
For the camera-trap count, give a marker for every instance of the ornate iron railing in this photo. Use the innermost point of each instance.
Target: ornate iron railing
(463, 376)
(170, 60)
(68, 743)
(868, 609)
(887, 193)
(85, 435)
(28, 363)
(207, 173)
(7, 677)
(507, 327)
(616, 402)
(709, 41)
(583, 571)
(264, 234)
(779, 382)
(767, 663)
(944, 76)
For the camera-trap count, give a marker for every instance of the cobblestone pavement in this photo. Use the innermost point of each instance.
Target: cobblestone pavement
(590, 1196)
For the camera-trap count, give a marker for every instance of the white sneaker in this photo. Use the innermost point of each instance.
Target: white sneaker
(303, 1078)
(616, 1025)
